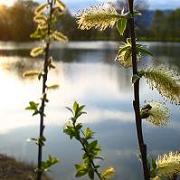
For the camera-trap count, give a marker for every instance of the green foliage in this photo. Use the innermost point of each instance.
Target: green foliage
(51, 161)
(46, 17)
(91, 148)
(166, 82)
(124, 56)
(121, 25)
(39, 141)
(88, 133)
(33, 106)
(16, 22)
(165, 26)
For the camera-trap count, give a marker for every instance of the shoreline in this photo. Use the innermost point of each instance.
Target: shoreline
(12, 169)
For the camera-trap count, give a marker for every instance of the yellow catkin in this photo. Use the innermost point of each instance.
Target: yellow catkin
(159, 114)
(166, 81)
(108, 173)
(98, 17)
(37, 51)
(31, 73)
(168, 164)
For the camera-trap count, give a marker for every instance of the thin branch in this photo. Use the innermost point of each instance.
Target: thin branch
(44, 88)
(86, 151)
(136, 102)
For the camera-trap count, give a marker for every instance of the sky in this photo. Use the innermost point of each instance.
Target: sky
(76, 5)
(153, 4)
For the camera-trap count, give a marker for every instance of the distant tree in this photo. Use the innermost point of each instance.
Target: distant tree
(173, 24)
(158, 24)
(4, 23)
(21, 20)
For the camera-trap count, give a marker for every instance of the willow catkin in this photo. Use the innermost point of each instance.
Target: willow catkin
(98, 17)
(166, 81)
(158, 114)
(168, 164)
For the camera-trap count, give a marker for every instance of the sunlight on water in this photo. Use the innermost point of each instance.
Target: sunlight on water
(78, 81)
(90, 76)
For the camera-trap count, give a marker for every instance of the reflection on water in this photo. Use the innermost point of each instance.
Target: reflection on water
(90, 76)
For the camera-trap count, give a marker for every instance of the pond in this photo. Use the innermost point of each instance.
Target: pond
(86, 72)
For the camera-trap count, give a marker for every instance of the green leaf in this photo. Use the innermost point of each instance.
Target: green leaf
(33, 107)
(99, 157)
(81, 107)
(143, 51)
(121, 25)
(91, 173)
(49, 163)
(88, 133)
(93, 144)
(81, 169)
(39, 141)
(68, 108)
(78, 126)
(124, 48)
(79, 114)
(75, 107)
(94, 148)
(154, 166)
(69, 130)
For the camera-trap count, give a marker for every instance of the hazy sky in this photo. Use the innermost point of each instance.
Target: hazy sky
(154, 4)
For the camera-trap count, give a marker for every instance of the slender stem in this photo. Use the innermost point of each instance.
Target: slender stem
(136, 101)
(93, 166)
(44, 88)
(92, 162)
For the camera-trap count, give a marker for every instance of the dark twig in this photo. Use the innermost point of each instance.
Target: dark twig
(136, 103)
(44, 95)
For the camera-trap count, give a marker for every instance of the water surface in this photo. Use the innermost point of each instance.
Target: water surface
(87, 73)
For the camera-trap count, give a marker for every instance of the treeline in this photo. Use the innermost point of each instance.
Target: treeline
(16, 24)
(165, 26)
